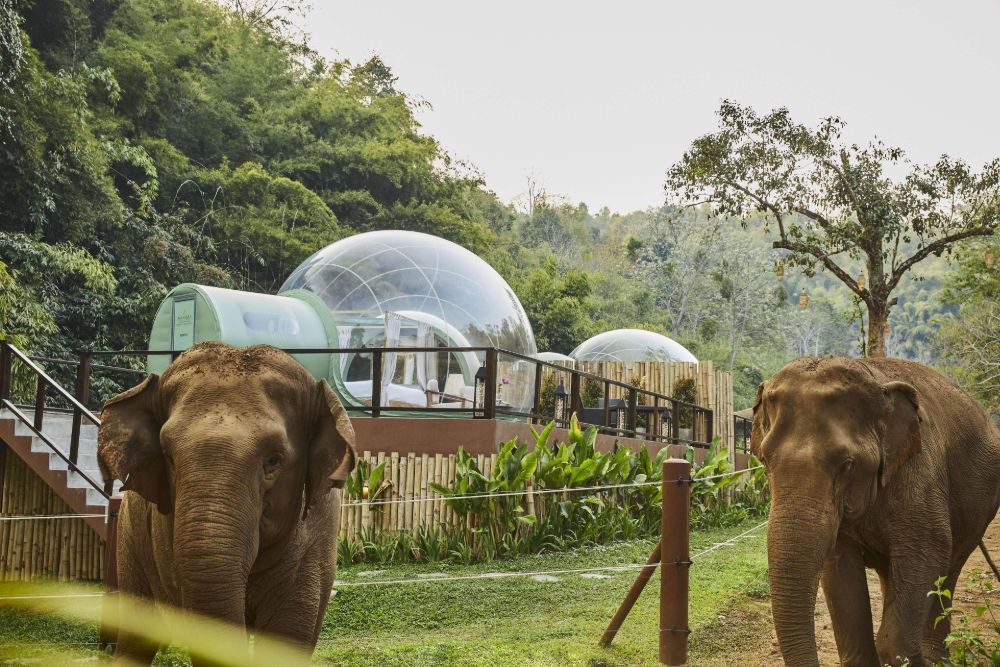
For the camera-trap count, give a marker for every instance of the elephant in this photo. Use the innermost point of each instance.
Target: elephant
(233, 465)
(873, 463)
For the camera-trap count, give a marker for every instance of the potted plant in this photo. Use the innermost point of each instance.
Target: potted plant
(686, 391)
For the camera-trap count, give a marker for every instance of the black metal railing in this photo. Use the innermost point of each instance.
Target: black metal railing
(539, 387)
(742, 428)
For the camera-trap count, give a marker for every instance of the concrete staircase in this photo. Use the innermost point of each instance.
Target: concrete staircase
(58, 427)
(72, 487)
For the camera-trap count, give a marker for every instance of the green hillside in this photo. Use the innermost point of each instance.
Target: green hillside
(145, 144)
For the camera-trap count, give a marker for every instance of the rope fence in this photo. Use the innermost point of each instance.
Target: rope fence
(50, 517)
(434, 578)
(441, 578)
(542, 491)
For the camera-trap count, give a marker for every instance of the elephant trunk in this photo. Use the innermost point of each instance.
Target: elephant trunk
(216, 533)
(800, 534)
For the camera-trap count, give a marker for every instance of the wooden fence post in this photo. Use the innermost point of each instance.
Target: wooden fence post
(109, 605)
(675, 561)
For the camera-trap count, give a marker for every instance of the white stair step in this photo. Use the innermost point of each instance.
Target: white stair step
(96, 498)
(39, 445)
(58, 428)
(85, 461)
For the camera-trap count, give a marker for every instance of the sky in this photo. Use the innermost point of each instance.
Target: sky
(596, 100)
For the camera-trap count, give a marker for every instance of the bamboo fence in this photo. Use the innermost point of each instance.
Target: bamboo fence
(713, 388)
(407, 484)
(56, 549)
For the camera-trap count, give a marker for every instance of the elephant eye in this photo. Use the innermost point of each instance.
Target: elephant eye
(846, 466)
(273, 462)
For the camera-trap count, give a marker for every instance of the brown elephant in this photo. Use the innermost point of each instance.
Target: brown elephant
(228, 462)
(879, 463)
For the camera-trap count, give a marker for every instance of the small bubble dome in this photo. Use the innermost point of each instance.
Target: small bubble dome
(631, 345)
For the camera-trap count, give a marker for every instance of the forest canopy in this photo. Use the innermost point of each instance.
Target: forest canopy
(146, 144)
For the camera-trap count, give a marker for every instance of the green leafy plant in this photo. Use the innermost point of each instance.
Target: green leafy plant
(536, 509)
(367, 482)
(974, 638)
(685, 390)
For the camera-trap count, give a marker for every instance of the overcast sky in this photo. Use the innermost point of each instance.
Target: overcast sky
(598, 99)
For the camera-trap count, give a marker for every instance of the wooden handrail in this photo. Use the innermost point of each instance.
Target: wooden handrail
(26, 360)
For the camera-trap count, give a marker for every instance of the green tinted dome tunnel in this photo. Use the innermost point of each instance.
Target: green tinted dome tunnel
(196, 313)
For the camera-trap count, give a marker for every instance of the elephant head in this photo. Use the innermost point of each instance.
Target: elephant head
(833, 436)
(237, 445)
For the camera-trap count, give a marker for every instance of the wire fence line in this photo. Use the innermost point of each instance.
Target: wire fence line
(542, 491)
(41, 517)
(436, 498)
(434, 579)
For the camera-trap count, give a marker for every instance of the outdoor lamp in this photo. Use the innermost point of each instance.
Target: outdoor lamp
(480, 389)
(560, 395)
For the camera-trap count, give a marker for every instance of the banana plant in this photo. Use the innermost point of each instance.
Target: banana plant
(367, 482)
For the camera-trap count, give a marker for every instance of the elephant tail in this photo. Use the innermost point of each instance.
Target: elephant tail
(986, 555)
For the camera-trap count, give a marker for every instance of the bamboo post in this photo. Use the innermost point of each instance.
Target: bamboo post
(16, 564)
(393, 509)
(4, 500)
(449, 480)
(423, 507)
(109, 604)
(438, 471)
(402, 462)
(411, 475)
(380, 513)
(64, 549)
(675, 561)
(365, 509)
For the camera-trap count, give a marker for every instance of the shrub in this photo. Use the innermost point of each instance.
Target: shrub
(509, 525)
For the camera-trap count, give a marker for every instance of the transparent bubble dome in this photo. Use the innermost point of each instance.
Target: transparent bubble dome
(631, 345)
(407, 289)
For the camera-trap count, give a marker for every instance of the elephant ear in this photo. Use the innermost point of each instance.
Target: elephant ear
(128, 444)
(758, 428)
(902, 438)
(331, 450)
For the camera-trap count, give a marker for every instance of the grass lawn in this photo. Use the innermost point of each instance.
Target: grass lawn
(502, 621)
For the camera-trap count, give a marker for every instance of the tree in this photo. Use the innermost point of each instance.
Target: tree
(829, 201)
(742, 278)
(675, 263)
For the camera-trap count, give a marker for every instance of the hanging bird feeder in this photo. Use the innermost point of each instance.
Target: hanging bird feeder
(988, 258)
(779, 269)
(803, 300)
(861, 281)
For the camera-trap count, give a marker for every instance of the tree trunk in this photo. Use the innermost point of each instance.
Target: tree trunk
(878, 318)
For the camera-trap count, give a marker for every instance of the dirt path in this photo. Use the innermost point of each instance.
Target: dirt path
(758, 613)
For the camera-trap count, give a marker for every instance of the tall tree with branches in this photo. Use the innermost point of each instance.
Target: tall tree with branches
(827, 201)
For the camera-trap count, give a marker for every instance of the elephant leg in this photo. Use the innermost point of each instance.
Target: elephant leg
(299, 618)
(906, 608)
(846, 589)
(134, 592)
(130, 648)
